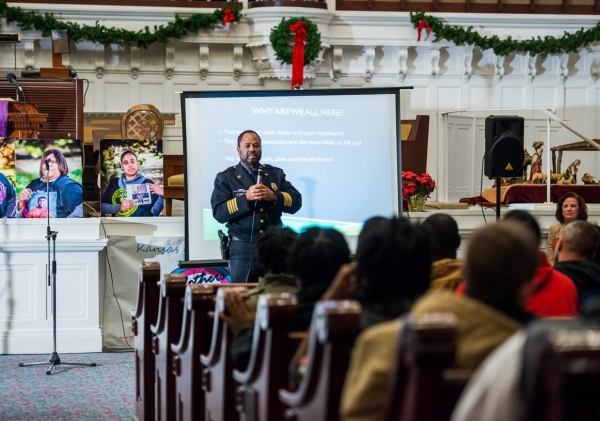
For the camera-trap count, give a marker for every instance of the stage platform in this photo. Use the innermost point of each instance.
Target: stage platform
(536, 193)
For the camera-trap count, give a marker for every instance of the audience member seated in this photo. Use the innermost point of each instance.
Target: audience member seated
(499, 389)
(499, 270)
(392, 270)
(315, 259)
(575, 254)
(554, 294)
(571, 207)
(273, 250)
(446, 270)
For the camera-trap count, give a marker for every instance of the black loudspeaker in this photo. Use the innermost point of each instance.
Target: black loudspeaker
(504, 154)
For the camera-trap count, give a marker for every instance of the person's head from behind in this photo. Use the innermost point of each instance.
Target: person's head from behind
(501, 263)
(578, 241)
(129, 164)
(273, 249)
(57, 164)
(571, 207)
(41, 202)
(442, 230)
(249, 148)
(525, 218)
(393, 260)
(317, 255)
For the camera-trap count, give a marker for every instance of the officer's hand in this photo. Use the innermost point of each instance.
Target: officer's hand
(265, 193)
(251, 194)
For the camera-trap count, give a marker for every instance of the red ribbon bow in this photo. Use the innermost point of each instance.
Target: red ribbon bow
(420, 26)
(298, 54)
(228, 16)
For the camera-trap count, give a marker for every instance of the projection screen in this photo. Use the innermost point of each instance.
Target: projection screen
(339, 148)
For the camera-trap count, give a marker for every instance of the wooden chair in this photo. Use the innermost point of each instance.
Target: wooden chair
(196, 333)
(143, 315)
(173, 169)
(567, 379)
(166, 331)
(272, 350)
(334, 328)
(217, 365)
(424, 385)
(142, 121)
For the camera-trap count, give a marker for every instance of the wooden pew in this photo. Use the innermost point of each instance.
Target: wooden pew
(165, 332)
(334, 328)
(194, 340)
(142, 316)
(425, 387)
(272, 350)
(217, 365)
(567, 378)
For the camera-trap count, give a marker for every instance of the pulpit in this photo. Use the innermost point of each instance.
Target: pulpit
(414, 135)
(24, 120)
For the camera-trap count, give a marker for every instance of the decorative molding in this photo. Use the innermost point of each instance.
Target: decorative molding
(530, 67)
(238, 65)
(99, 60)
(498, 68)
(402, 63)
(134, 61)
(203, 61)
(169, 62)
(562, 67)
(434, 57)
(594, 65)
(369, 63)
(269, 67)
(336, 63)
(29, 55)
(467, 63)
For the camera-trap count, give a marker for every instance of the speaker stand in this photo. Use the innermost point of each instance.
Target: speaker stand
(498, 186)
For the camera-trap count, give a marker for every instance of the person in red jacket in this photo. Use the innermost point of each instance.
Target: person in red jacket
(555, 294)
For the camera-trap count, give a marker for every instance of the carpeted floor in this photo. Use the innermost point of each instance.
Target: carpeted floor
(105, 392)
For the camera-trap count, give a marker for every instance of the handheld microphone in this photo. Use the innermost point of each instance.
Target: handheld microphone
(13, 79)
(259, 176)
(47, 161)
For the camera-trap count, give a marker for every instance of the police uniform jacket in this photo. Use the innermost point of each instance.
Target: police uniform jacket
(230, 206)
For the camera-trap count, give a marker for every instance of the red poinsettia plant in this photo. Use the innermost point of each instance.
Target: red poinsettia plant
(413, 184)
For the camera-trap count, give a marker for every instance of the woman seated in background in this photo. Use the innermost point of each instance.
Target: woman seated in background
(571, 207)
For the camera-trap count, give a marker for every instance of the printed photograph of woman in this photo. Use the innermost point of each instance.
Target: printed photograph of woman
(127, 192)
(66, 195)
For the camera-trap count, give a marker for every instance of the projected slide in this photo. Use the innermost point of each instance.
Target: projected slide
(338, 149)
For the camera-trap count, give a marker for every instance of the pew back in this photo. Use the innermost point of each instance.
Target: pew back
(166, 331)
(272, 349)
(334, 328)
(143, 315)
(568, 377)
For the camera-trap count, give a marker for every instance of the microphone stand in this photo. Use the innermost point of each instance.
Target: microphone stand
(51, 272)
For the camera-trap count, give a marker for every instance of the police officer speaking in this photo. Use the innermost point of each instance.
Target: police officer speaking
(248, 207)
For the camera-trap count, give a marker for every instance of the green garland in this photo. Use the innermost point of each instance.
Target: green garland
(103, 35)
(282, 39)
(568, 43)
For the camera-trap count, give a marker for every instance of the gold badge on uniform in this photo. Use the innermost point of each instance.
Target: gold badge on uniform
(274, 186)
(239, 176)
